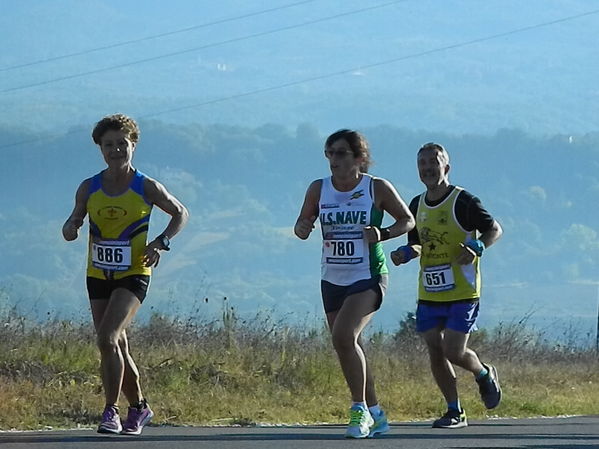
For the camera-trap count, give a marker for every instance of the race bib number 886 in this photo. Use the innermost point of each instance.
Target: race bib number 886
(112, 255)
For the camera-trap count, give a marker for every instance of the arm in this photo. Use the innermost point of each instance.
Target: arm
(388, 200)
(490, 231)
(492, 235)
(413, 249)
(157, 194)
(70, 230)
(309, 212)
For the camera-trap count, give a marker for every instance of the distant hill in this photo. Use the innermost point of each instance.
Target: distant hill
(244, 187)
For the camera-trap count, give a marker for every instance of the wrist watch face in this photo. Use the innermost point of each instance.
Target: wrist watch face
(164, 241)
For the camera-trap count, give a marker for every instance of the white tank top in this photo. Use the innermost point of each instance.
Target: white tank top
(346, 255)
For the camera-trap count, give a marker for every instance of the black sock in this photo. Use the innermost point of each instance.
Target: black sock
(140, 405)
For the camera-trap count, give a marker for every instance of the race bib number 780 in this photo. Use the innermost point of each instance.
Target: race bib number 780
(344, 247)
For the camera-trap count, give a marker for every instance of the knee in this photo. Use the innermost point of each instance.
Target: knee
(123, 343)
(343, 342)
(435, 348)
(107, 341)
(454, 355)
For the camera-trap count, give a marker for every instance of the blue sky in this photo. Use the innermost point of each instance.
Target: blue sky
(262, 73)
(422, 64)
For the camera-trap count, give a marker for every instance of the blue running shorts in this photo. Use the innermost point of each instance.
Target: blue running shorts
(459, 316)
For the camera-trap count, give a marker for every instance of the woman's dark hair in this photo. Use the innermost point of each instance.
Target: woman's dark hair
(358, 144)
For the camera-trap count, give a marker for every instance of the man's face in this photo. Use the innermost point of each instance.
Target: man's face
(432, 167)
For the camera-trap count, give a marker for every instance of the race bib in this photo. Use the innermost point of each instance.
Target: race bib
(114, 255)
(438, 278)
(344, 247)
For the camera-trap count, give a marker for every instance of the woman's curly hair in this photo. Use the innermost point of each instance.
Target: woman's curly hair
(118, 122)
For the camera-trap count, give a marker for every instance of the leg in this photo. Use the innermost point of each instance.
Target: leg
(442, 370)
(371, 398)
(131, 387)
(139, 412)
(454, 346)
(456, 351)
(118, 313)
(354, 315)
(445, 377)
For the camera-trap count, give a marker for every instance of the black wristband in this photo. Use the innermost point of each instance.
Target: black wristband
(385, 234)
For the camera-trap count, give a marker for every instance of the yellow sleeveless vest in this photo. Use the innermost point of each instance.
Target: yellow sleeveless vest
(441, 279)
(118, 230)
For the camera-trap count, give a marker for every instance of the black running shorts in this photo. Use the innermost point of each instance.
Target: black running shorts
(102, 289)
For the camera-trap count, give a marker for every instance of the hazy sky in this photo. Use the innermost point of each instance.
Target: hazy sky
(420, 64)
(437, 69)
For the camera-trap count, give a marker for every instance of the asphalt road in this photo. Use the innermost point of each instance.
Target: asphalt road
(547, 433)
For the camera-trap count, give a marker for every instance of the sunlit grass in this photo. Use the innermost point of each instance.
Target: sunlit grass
(256, 371)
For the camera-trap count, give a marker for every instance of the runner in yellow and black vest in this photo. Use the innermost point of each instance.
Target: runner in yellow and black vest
(118, 201)
(118, 230)
(452, 231)
(437, 231)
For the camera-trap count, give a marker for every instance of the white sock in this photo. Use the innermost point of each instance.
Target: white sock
(361, 404)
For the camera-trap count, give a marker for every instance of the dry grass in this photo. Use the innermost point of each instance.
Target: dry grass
(258, 371)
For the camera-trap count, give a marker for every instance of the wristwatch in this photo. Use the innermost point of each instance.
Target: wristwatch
(164, 241)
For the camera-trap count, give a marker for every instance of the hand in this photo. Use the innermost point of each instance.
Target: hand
(467, 255)
(372, 234)
(304, 227)
(151, 255)
(70, 231)
(400, 255)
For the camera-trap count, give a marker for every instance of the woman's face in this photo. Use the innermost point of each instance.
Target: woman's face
(117, 148)
(341, 158)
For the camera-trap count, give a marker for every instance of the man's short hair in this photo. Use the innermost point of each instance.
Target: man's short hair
(437, 147)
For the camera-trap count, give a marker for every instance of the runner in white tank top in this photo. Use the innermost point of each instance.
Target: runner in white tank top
(350, 205)
(347, 257)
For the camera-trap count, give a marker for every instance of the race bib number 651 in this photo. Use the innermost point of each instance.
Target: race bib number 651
(438, 278)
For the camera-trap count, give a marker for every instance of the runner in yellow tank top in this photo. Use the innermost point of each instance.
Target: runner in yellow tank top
(118, 230)
(441, 278)
(118, 201)
(452, 230)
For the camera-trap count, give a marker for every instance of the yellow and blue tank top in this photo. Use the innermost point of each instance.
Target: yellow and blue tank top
(346, 255)
(440, 234)
(118, 230)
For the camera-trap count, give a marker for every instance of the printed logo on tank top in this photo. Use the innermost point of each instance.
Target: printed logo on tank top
(434, 240)
(343, 237)
(354, 196)
(112, 212)
(348, 217)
